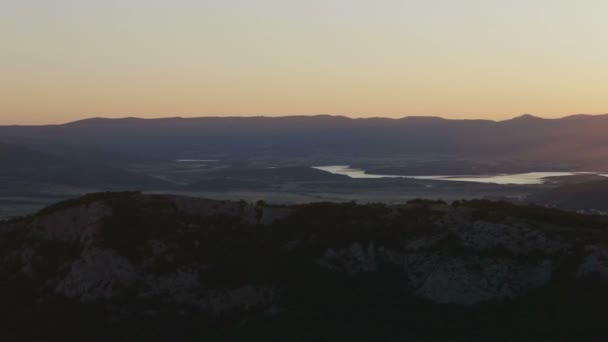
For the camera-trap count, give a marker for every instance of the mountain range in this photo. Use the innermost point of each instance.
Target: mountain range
(576, 142)
(232, 157)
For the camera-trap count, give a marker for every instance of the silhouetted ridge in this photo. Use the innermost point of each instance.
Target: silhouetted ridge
(580, 142)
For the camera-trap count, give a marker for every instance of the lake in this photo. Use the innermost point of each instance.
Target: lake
(520, 178)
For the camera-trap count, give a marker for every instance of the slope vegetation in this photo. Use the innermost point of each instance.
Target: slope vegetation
(127, 266)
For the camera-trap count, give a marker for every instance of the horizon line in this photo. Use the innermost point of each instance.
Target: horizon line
(262, 116)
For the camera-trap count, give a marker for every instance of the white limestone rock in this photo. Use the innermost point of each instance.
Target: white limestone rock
(594, 262)
(352, 260)
(97, 275)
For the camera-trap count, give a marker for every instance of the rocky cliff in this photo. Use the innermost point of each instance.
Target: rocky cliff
(105, 265)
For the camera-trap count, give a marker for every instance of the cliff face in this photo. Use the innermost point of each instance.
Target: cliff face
(130, 256)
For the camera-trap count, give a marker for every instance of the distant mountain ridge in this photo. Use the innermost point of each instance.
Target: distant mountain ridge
(411, 118)
(579, 140)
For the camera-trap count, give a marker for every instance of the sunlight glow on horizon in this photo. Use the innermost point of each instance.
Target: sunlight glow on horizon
(65, 60)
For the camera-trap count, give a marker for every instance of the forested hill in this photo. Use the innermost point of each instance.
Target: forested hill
(128, 266)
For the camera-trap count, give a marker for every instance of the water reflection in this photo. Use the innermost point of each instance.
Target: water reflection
(520, 178)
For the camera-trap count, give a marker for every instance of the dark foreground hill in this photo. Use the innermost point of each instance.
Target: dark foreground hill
(131, 267)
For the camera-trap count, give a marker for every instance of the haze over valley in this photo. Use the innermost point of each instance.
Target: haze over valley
(288, 159)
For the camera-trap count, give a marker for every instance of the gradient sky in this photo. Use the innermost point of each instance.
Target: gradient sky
(63, 60)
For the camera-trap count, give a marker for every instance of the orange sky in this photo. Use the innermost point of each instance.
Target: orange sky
(64, 60)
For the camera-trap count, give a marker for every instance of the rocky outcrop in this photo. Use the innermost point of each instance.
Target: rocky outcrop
(353, 260)
(220, 256)
(98, 274)
(470, 280)
(468, 262)
(247, 212)
(77, 223)
(595, 261)
(448, 279)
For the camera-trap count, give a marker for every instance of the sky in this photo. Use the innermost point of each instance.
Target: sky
(64, 60)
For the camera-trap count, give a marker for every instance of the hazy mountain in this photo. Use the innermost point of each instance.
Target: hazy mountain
(21, 165)
(577, 141)
(165, 268)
